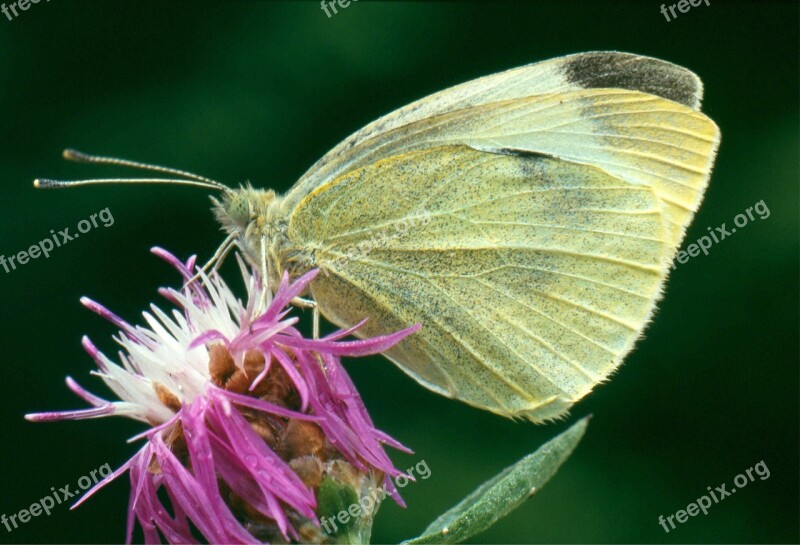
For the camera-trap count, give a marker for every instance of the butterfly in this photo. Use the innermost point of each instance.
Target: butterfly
(527, 219)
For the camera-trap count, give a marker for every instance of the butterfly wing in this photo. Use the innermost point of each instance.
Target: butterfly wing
(533, 276)
(590, 70)
(640, 138)
(533, 288)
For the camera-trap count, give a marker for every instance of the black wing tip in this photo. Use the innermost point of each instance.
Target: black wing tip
(618, 70)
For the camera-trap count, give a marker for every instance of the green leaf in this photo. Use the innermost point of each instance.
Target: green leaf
(502, 494)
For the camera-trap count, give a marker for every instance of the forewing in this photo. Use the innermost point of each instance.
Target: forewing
(639, 138)
(590, 70)
(532, 276)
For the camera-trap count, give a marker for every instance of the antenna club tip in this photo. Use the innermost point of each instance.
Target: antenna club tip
(41, 183)
(70, 154)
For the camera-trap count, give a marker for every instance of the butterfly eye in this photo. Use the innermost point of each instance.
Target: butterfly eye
(239, 209)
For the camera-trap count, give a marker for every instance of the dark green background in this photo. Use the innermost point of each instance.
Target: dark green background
(258, 91)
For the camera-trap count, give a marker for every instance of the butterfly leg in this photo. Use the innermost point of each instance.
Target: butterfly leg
(224, 254)
(262, 300)
(216, 260)
(309, 303)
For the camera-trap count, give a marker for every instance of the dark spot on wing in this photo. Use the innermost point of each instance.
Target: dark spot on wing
(625, 71)
(532, 162)
(523, 153)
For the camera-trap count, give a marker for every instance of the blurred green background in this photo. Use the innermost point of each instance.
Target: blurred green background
(258, 91)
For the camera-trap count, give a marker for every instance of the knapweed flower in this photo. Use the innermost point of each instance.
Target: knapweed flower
(249, 420)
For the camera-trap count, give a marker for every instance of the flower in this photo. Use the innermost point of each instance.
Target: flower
(248, 418)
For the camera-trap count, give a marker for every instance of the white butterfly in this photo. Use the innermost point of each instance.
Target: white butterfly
(527, 219)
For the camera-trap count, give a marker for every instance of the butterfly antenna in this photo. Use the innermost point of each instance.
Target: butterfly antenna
(183, 177)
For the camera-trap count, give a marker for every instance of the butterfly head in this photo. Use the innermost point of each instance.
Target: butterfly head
(244, 210)
(252, 218)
